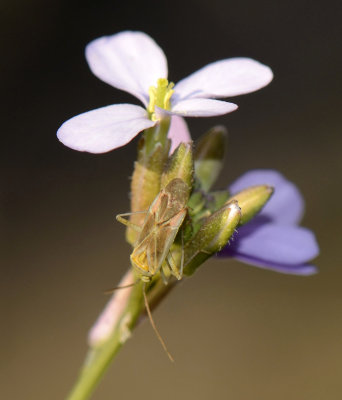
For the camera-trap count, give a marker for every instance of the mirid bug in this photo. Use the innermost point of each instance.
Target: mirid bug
(151, 253)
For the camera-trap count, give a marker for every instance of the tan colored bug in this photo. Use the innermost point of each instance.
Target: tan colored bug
(164, 218)
(151, 252)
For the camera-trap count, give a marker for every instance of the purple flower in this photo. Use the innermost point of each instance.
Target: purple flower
(273, 239)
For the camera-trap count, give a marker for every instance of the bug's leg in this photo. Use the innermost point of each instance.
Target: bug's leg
(112, 290)
(155, 255)
(182, 255)
(126, 222)
(164, 275)
(148, 310)
(173, 267)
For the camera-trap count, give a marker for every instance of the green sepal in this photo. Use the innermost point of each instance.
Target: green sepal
(179, 165)
(216, 200)
(209, 155)
(196, 203)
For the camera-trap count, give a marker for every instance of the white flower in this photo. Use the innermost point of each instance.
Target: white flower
(133, 62)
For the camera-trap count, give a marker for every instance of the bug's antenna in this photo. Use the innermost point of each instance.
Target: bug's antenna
(154, 325)
(112, 290)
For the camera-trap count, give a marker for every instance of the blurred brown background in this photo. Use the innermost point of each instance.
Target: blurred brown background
(237, 332)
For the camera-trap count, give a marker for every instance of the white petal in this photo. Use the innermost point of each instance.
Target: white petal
(202, 108)
(104, 129)
(178, 132)
(130, 61)
(225, 78)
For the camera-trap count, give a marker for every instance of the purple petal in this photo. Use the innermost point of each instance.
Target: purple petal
(178, 132)
(224, 78)
(130, 61)
(298, 269)
(104, 129)
(286, 206)
(274, 244)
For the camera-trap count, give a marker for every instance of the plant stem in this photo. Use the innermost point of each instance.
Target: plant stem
(99, 358)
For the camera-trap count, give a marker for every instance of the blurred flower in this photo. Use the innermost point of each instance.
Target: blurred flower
(133, 62)
(273, 239)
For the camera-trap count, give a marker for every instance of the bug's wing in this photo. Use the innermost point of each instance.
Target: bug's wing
(177, 193)
(159, 205)
(147, 228)
(154, 248)
(166, 236)
(154, 213)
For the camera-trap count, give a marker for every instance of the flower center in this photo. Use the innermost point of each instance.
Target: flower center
(160, 96)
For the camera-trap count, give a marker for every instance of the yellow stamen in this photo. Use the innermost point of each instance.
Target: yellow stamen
(160, 96)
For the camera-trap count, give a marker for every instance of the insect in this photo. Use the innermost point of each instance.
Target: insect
(163, 220)
(151, 253)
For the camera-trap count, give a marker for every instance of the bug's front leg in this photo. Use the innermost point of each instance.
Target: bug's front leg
(126, 222)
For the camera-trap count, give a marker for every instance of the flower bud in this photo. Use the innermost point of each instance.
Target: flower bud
(145, 184)
(211, 237)
(179, 165)
(252, 200)
(209, 155)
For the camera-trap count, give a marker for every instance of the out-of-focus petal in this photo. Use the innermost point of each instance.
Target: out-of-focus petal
(110, 315)
(293, 269)
(202, 108)
(104, 129)
(286, 206)
(275, 244)
(130, 61)
(225, 78)
(178, 132)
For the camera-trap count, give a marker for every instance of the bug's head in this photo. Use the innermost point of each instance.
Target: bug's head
(139, 264)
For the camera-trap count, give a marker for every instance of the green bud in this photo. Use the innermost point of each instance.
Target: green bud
(212, 236)
(252, 200)
(209, 155)
(145, 184)
(179, 165)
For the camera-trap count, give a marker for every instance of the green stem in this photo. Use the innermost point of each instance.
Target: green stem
(99, 358)
(156, 135)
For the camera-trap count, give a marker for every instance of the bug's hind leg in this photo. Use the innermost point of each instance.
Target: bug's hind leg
(148, 310)
(182, 255)
(177, 272)
(165, 273)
